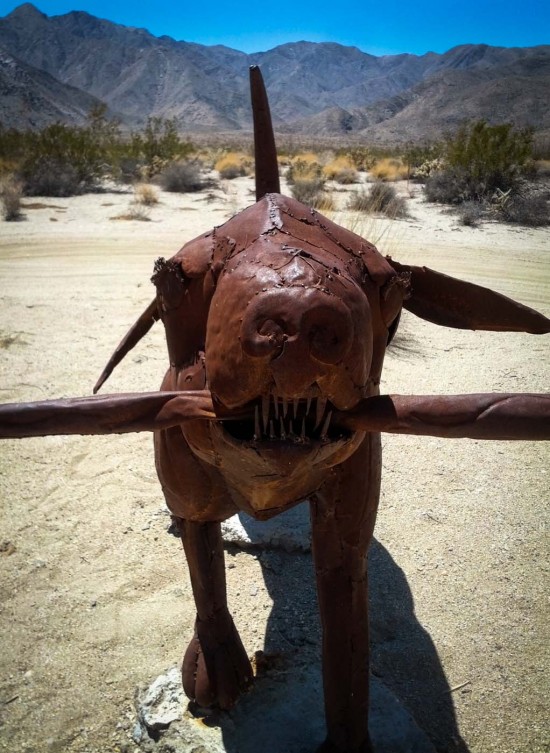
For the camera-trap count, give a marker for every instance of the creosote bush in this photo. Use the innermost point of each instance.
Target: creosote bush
(381, 198)
(479, 160)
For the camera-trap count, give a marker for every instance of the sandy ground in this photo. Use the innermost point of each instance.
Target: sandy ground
(94, 594)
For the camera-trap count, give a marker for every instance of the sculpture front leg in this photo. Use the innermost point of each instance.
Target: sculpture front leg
(215, 667)
(342, 516)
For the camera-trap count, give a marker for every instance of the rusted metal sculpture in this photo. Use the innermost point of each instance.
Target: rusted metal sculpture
(277, 323)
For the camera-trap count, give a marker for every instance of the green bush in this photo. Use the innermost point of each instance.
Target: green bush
(63, 160)
(479, 160)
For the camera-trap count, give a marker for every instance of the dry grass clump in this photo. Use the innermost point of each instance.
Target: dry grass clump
(145, 194)
(234, 165)
(379, 199)
(11, 191)
(304, 167)
(312, 193)
(389, 169)
(135, 212)
(342, 170)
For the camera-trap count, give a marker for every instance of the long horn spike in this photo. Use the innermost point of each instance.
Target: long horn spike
(130, 340)
(265, 152)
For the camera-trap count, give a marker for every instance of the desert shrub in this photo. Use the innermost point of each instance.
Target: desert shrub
(471, 213)
(145, 195)
(389, 169)
(304, 167)
(342, 170)
(479, 160)
(10, 197)
(184, 176)
(135, 212)
(379, 199)
(532, 211)
(233, 165)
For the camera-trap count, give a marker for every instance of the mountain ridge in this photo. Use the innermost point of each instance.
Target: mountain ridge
(315, 88)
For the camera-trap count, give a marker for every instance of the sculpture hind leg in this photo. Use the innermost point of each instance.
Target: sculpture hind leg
(215, 667)
(343, 515)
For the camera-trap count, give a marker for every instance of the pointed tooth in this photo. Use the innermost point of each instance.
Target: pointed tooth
(320, 410)
(296, 404)
(282, 428)
(257, 429)
(271, 431)
(285, 407)
(326, 425)
(265, 411)
(308, 406)
(291, 428)
(275, 406)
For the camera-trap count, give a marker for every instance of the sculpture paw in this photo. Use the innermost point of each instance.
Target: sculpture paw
(216, 669)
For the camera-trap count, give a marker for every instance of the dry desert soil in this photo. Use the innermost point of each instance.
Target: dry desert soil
(95, 597)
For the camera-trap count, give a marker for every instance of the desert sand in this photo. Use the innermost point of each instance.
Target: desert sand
(95, 597)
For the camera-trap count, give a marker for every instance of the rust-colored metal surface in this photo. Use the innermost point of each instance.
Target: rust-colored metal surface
(277, 323)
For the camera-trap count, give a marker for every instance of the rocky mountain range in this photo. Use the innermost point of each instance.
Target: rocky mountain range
(56, 68)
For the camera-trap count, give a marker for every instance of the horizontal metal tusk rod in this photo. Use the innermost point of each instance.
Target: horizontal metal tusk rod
(105, 414)
(476, 416)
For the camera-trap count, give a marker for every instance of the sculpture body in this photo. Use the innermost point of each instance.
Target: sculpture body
(277, 324)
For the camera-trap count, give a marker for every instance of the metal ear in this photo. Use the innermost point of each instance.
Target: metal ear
(450, 302)
(138, 330)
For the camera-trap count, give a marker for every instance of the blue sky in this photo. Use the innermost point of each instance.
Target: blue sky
(376, 26)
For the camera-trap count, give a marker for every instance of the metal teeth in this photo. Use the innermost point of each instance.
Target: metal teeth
(320, 411)
(306, 420)
(324, 430)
